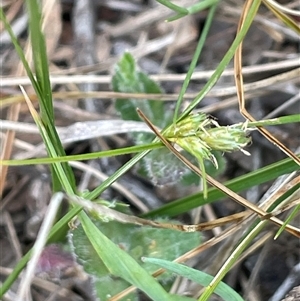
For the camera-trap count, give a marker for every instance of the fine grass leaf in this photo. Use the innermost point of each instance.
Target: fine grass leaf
(42, 86)
(120, 264)
(223, 290)
(225, 61)
(286, 222)
(40, 58)
(57, 167)
(199, 6)
(180, 10)
(44, 91)
(82, 157)
(294, 212)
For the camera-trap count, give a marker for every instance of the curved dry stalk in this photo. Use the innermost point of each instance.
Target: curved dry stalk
(106, 213)
(283, 8)
(240, 89)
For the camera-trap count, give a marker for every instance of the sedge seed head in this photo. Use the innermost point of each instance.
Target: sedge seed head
(188, 126)
(197, 148)
(225, 139)
(199, 134)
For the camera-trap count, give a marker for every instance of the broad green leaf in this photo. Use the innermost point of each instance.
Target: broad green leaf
(223, 290)
(164, 168)
(119, 263)
(142, 241)
(105, 284)
(128, 79)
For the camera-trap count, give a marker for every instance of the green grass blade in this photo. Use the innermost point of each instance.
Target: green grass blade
(237, 251)
(57, 167)
(44, 91)
(201, 5)
(276, 121)
(223, 290)
(40, 59)
(290, 217)
(226, 59)
(244, 182)
(82, 157)
(295, 211)
(41, 84)
(18, 50)
(194, 61)
(181, 10)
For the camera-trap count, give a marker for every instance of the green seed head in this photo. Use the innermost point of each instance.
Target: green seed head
(206, 134)
(225, 139)
(199, 134)
(188, 126)
(195, 146)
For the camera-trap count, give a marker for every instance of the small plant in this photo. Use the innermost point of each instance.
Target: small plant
(162, 167)
(117, 255)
